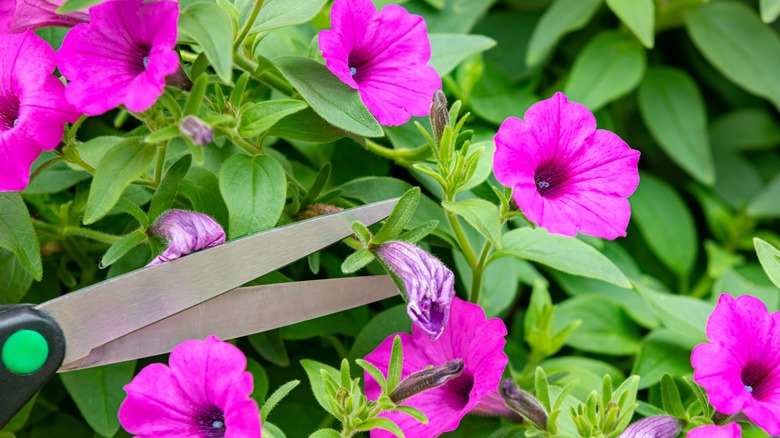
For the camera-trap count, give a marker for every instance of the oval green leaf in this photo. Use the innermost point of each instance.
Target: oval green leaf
(605, 329)
(732, 37)
(673, 110)
(449, 49)
(17, 233)
(770, 10)
(480, 214)
(610, 66)
(637, 15)
(563, 253)
(254, 189)
(211, 27)
(281, 13)
(562, 17)
(332, 99)
(260, 117)
(769, 256)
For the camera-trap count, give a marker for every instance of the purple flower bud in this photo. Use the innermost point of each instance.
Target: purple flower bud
(523, 403)
(440, 115)
(661, 426)
(186, 232)
(196, 130)
(429, 284)
(427, 379)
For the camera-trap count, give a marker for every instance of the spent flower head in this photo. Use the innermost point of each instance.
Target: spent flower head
(20, 15)
(204, 392)
(660, 426)
(566, 175)
(185, 232)
(384, 55)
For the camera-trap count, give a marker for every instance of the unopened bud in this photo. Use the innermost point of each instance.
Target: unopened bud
(196, 130)
(523, 403)
(186, 232)
(427, 379)
(661, 426)
(440, 115)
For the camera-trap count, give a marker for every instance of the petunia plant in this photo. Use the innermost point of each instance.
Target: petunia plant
(585, 242)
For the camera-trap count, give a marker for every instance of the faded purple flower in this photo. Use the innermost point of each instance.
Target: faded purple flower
(19, 15)
(470, 337)
(122, 56)
(204, 393)
(661, 426)
(740, 366)
(731, 430)
(196, 130)
(384, 55)
(33, 109)
(567, 175)
(429, 285)
(186, 232)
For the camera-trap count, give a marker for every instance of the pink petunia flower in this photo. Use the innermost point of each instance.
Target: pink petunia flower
(470, 337)
(122, 56)
(384, 55)
(33, 109)
(19, 15)
(731, 430)
(567, 175)
(429, 284)
(204, 393)
(186, 232)
(740, 366)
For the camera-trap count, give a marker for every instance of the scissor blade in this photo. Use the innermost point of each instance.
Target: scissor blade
(111, 309)
(242, 312)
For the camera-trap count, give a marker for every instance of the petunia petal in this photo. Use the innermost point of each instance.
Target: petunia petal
(731, 430)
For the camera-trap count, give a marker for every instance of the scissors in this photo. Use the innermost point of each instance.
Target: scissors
(150, 311)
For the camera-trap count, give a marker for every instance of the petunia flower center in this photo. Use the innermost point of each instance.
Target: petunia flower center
(460, 390)
(9, 112)
(211, 423)
(550, 178)
(757, 380)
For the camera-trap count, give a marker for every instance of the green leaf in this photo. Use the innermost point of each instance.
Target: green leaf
(395, 367)
(17, 233)
(665, 223)
(732, 37)
(260, 390)
(325, 433)
(745, 129)
(122, 247)
(19, 420)
(211, 27)
(98, 394)
(662, 351)
(562, 17)
(272, 431)
(566, 254)
(195, 99)
(400, 216)
(260, 117)
(687, 316)
(387, 322)
(412, 412)
(542, 389)
(332, 99)
(312, 368)
(122, 164)
(55, 179)
(163, 197)
(480, 214)
(673, 109)
(769, 256)
(254, 189)
(381, 423)
(308, 126)
(276, 397)
(373, 372)
(765, 205)
(162, 135)
(449, 49)
(637, 15)
(608, 67)
(201, 187)
(589, 373)
(75, 5)
(281, 13)
(419, 232)
(271, 346)
(16, 280)
(605, 328)
(770, 10)
(670, 396)
(357, 260)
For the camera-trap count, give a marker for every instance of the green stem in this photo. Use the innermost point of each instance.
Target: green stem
(159, 164)
(44, 166)
(251, 149)
(72, 156)
(476, 274)
(268, 78)
(170, 103)
(463, 241)
(70, 230)
(248, 25)
(403, 157)
(74, 128)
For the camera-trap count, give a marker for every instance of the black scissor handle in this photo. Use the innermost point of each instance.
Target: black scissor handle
(32, 347)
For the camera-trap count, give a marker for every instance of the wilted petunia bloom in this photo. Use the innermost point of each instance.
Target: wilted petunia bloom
(35, 14)
(740, 366)
(731, 430)
(429, 284)
(567, 175)
(186, 232)
(384, 55)
(470, 337)
(661, 426)
(122, 56)
(196, 130)
(33, 109)
(204, 393)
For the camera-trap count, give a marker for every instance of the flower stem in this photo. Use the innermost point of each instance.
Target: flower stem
(74, 128)
(266, 77)
(248, 25)
(251, 149)
(159, 164)
(403, 157)
(70, 230)
(45, 166)
(476, 275)
(463, 241)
